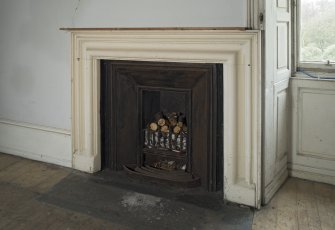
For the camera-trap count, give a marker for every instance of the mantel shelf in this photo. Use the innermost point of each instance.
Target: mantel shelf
(239, 53)
(155, 28)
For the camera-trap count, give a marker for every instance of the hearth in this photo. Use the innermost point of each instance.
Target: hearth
(239, 53)
(163, 121)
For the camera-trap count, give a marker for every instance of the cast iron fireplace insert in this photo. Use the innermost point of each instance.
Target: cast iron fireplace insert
(163, 121)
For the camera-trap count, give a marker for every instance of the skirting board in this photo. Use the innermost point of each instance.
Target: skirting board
(273, 187)
(36, 142)
(319, 175)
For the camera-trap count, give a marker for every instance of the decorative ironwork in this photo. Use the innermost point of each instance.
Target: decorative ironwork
(165, 141)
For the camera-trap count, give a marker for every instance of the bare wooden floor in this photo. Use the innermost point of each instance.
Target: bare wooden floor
(298, 205)
(21, 183)
(301, 205)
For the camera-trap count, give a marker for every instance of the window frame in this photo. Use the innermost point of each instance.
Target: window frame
(317, 66)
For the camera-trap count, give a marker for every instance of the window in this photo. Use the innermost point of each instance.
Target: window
(316, 33)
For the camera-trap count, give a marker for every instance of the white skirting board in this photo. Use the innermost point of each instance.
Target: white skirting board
(36, 142)
(312, 174)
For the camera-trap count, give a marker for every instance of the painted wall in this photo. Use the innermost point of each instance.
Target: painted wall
(312, 154)
(158, 13)
(35, 61)
(35, 84)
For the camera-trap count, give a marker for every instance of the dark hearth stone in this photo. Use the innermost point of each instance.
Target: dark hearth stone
(142, 205)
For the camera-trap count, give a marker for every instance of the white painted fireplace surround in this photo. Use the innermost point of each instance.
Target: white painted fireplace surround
(238, 51)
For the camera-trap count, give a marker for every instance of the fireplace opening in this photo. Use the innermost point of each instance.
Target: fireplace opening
(163, 121)
(166, 142)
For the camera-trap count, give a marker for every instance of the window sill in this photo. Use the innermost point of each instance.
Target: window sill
(314, 75)
(317, 66)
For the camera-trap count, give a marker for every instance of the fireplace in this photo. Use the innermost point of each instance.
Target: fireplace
(163, 121)
(238, 52)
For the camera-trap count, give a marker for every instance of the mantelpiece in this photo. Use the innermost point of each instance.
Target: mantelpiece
(237, 50)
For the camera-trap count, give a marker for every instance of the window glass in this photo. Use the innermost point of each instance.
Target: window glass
(317, 32)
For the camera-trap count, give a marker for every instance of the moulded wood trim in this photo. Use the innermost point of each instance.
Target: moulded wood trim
(37, 127)
(312, 166)
(273, 187)
(302, 91)
(153, 28)
(239, 51)
(312, 174)
(36, 142)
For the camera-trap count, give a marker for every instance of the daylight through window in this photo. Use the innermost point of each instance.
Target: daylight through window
(317, 31)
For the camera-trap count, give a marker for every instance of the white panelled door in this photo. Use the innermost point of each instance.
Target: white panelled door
(277, 62)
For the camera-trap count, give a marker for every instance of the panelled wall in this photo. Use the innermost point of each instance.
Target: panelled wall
(313, 130)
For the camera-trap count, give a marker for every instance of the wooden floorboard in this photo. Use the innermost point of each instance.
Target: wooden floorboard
(299, 205)
(286, 207)
(36, 195)
(308, 215)
(21, 183)
(325, 201)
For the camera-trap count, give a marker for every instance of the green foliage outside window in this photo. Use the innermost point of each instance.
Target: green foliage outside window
(317, 30)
